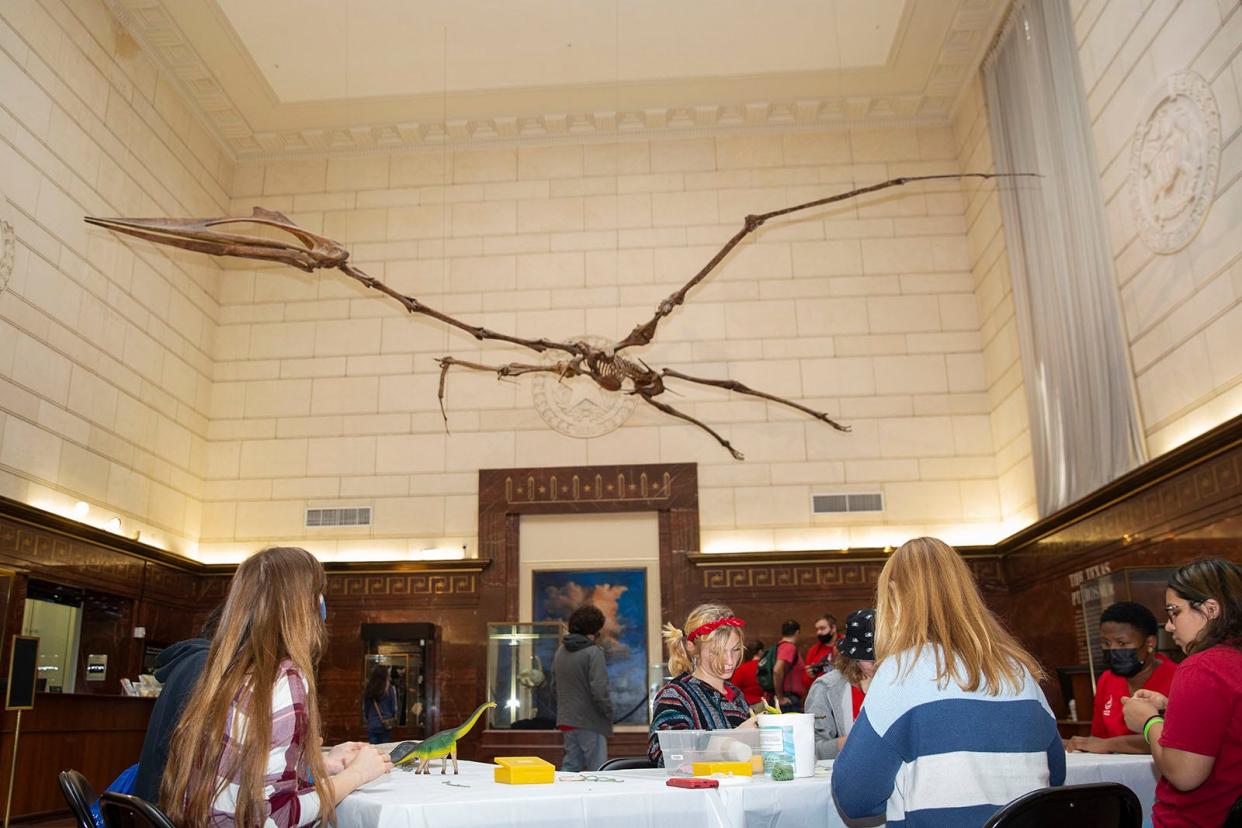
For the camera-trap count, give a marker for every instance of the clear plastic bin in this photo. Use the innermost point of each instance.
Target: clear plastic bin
(682, 748)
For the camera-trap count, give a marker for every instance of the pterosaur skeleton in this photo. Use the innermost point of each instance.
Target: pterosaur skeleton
(606, 367)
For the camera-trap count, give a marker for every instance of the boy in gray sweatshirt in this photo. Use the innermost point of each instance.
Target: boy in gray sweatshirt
(580, 680)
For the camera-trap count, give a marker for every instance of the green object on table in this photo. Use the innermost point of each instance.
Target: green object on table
(782, 772)
(442, 745)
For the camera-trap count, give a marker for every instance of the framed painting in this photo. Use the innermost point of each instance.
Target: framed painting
(621, 594)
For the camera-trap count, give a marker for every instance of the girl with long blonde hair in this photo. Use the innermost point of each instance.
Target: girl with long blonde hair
(247, 744)
(702, 655)
(954, 724)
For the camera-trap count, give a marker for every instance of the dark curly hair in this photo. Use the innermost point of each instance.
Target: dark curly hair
(1132, 613)
(1218, 580)
(586, 620)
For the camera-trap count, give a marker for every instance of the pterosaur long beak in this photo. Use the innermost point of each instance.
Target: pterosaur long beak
(311, 251)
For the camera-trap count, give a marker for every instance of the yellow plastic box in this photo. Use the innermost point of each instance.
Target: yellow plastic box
(727, 768)
(524, 770)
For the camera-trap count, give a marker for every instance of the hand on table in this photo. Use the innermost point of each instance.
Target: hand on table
(335, 760)
(1087, 744)
(369, 763)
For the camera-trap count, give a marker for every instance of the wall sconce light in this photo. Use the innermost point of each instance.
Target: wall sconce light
(80, 509)
(113, 525)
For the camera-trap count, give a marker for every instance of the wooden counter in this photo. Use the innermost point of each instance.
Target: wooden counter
(97, 735)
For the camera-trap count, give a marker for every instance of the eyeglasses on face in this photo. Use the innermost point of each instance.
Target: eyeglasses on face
(1175, 610)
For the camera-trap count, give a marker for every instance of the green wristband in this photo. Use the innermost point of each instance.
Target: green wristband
(1147, 727)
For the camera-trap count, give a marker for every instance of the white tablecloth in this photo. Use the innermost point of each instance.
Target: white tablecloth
(642, 800)
(1137, 773)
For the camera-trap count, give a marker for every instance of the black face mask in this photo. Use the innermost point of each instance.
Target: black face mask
(1124, 662)
(826, 639)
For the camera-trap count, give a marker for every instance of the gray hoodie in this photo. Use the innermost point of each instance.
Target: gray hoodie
(580, 681)
(831, 700)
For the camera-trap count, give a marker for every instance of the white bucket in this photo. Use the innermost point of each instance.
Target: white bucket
(788, 738)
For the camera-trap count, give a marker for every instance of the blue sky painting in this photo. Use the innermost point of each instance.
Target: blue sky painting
(621, 594)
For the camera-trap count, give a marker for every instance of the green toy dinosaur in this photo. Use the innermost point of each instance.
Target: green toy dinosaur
(442, 745)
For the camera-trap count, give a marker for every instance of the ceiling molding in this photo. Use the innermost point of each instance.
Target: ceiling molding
(961, 52)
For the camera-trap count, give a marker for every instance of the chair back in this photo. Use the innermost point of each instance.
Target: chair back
(80, 796)
(626, 763)
(125, 811)
(1101, 805)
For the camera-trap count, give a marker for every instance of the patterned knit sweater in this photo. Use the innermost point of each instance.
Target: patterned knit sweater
(687, 703)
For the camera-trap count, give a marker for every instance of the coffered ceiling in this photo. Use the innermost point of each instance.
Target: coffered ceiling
(283, 77)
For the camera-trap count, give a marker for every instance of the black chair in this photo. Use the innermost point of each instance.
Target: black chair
(626, 763)
(80, 796)
(125, 811)
(1102, 805)
(1234, 817)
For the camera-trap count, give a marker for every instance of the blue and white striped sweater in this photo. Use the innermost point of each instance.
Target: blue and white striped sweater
(927, 756)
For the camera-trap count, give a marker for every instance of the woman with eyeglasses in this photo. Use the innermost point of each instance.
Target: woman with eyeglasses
(1198, 750)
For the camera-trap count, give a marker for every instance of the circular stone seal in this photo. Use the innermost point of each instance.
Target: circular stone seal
(1174, 160)
(577, 406)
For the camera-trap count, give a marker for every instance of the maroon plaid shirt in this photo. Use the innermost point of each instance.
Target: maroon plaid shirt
(291, 798)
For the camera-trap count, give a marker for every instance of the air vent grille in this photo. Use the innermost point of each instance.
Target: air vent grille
(825, 504)
(339, 516)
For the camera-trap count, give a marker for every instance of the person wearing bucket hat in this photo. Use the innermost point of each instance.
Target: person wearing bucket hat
(837, 696)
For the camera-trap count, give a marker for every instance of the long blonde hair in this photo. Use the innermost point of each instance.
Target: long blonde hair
(926, 596)
(682, 653)
(271, 613)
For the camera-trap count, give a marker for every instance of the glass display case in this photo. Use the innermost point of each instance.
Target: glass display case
(519, 673)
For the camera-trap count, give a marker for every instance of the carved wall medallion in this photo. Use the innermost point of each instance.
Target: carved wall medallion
(577, 406)
(8, 242)
(1174, 161)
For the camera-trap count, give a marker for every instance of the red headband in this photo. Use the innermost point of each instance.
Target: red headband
(712, 626)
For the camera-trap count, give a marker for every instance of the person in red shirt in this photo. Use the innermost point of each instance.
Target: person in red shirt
(819, 656)
(1128, 635)
(1198, 751)
(746, 677)
(788, 673)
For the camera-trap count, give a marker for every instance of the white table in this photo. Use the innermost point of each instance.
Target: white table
(642, 800)
(1137, 773)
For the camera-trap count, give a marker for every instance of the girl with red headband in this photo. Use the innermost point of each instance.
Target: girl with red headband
(701, 656)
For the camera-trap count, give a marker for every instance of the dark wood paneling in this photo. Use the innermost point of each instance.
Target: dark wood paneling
(768, 588)
(1183, 506)
(97, 735)
(669, 489)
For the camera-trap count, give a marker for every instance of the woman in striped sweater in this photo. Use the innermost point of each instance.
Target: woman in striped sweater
(954, 725)
(701, 656)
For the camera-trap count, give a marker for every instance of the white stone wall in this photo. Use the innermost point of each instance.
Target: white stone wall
(326, 394)
(105, 348)
(998, 332)
(1183, 312)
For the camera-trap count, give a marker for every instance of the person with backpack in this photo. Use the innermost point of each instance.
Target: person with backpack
(788, 672)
